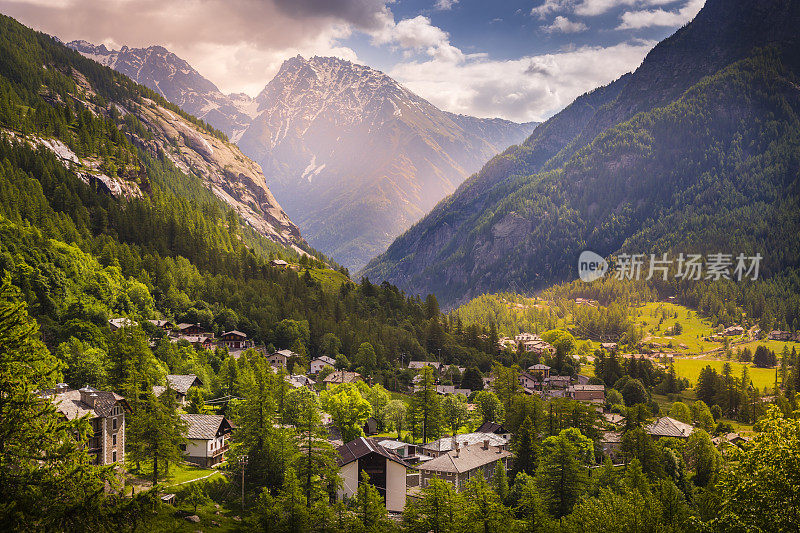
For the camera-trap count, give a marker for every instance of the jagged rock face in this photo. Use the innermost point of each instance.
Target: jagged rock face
(356, 158)
(231, 176)
(175, 79)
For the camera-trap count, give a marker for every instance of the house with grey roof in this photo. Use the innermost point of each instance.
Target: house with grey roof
(341, 376)
(460, 464)
(280, 358)
(669, 427)
(321, 362)
(446, 444)
(206, 438)
(386, 470)
(118, 323)
(106, 411)
(180, 384)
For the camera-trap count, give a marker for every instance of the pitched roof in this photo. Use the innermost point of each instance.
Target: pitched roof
(362, 446)
(491, 427)
(669, 427)
(538, 366)
(159, 323)
(342, 376)
(121, 322)
(235, 332)
(423, 364)
(69, 403)
(205, 427)
(181, 382)
(465, 459)
(588, 388)
(286, 354)
(325, 359)
(446, 443)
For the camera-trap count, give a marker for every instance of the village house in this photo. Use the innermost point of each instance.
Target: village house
(615, 419)
(734, 439)
(180, 383)
(280, 359)
(587, 393)
(733, 331)
(106, 412)
(586, 302)
(200, 342)
(298, 380)
(610, 347)
(402, 449)
(557, 382)
(777, 335)
(526, 337)
(528, 381)
(278, 263)
(165, 325)
(341, 376)
(538, 347)
(386, 470)
(539, 371)
(118, 323)
(191, 329)
(207, 439)
(495, 429)
(317, 364)
(446, 390)
(446, 444)
(611, 443)
(457, 466)
(669, 427)
(419, 365)
(235, 340)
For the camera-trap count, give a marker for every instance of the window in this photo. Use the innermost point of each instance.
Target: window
(114, 425)
(114, 439)
(113, 457)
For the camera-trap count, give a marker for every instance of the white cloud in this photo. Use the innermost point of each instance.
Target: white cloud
(418, 35)
(564, 25)
(237, 44)
(590, 8)
(659, 17)
(529, 88)
(445, 5)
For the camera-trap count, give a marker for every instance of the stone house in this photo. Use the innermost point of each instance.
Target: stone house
(106, 411)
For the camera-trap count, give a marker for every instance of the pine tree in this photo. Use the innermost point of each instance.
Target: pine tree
(561, 476)
(425, 412)
(500, 480)
(526, 449)
(46, 478)
(155, 433)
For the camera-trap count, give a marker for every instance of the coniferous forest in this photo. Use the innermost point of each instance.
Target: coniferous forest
(142, 314)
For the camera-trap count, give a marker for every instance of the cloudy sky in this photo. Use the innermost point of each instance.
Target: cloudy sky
(516, 59)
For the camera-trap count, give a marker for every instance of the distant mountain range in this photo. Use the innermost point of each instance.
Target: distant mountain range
(175, 79)
(353, 156)
(697, 150)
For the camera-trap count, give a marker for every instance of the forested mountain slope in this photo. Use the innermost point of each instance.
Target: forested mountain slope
(662, 159)
(53, 96)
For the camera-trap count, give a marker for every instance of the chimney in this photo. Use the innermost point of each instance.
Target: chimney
(88, 395)
(486, 444)
(458, 448)
(61, 387)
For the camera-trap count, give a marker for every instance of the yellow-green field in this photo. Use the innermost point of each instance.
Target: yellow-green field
(330, 279)
(695, 328)
(690, 369)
